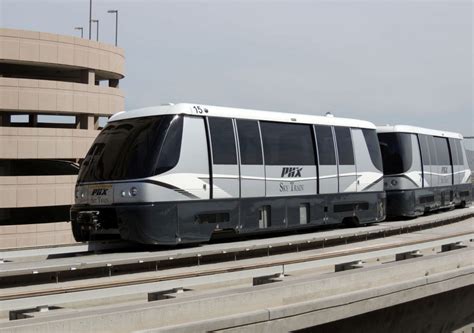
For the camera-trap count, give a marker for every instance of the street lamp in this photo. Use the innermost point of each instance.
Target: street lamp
(114, 11)
(97, 33)
(82, 31)
(90, 19)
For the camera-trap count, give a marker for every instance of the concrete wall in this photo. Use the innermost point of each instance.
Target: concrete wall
(41, 47)
(47, 96)
(49, 74)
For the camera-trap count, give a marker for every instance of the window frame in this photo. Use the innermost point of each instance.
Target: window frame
(274, 157)
(215, 149)
(340, 144)
(243, 154)
(320, 151)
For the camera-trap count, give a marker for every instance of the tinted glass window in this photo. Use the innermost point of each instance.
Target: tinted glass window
(453, 150)
(372, 142)
(442, 151)
(425, 149)
(287, 144)
(396, 152)
(249, 142)
(460, 149)
(327, 155)
(27, 167)
(223, 141)
(168, 155)
(131, 148)
(433, 152)
(344, 145)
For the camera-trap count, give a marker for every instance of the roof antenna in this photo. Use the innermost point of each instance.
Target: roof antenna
(329, 114)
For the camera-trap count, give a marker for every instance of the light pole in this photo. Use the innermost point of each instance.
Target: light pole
(82, 31)
(90, 19)
(114, 11)
(97, 33)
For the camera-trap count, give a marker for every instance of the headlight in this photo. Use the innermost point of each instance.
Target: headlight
(133, 191)
(123, 194)
(394, 182)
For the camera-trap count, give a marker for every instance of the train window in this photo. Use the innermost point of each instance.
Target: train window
(344, 145)
(223, 141)
(460, 152)
(249, 142)
(327, 155)
(454, 151)
(433, 152)
(372, 142)
(131, 148)
(288, 144)
(442, 151)
(396, 151)
(425, 149)
(168, 155)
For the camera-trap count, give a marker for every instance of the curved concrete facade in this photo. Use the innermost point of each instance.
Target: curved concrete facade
(41, 75)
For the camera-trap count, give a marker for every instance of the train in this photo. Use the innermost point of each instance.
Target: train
(425, 170)
(183, 173)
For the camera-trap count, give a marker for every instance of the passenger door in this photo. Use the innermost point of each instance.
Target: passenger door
(434, 167)
(444, 161)
(346, 161)
(225, 170)
(328, 182)
(290, 166)
(426, 160)
(456, 161)
(252, 169)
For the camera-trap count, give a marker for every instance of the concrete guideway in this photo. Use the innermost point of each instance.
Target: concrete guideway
(230, 298)
(293, 303)
(189, 277)
(110, 260)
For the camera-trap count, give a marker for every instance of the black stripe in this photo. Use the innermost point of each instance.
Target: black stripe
(171, 187)
(209, 157)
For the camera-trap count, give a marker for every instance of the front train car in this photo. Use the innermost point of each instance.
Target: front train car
(182, 173)
(424, 170)
(115, 186)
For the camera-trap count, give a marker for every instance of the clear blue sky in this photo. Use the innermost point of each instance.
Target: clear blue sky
(407, 62)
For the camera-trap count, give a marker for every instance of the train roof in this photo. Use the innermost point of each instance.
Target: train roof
(225, 112)
(417, 130)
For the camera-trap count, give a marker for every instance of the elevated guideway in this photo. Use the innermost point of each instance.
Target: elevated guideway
(277, 291)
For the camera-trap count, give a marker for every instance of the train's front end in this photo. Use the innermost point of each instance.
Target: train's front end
(115, 188)
(402, 172)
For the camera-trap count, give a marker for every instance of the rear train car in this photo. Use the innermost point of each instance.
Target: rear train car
(181, 173)
(424, 170)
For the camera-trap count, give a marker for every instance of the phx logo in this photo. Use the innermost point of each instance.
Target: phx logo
(291, 172)
(99, 192)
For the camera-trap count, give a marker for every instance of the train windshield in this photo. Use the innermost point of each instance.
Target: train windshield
(134, 148)
(396, 152)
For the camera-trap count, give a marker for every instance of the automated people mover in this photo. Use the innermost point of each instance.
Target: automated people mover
(424, 169)
(179, 173)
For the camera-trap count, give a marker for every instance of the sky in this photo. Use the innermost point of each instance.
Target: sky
(389, 62)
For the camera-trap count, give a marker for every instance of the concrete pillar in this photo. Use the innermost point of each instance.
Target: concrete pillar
(114, 83)
(33, 120)
(96, 122)
(87, 122)
(4, 119)
(88, 76)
